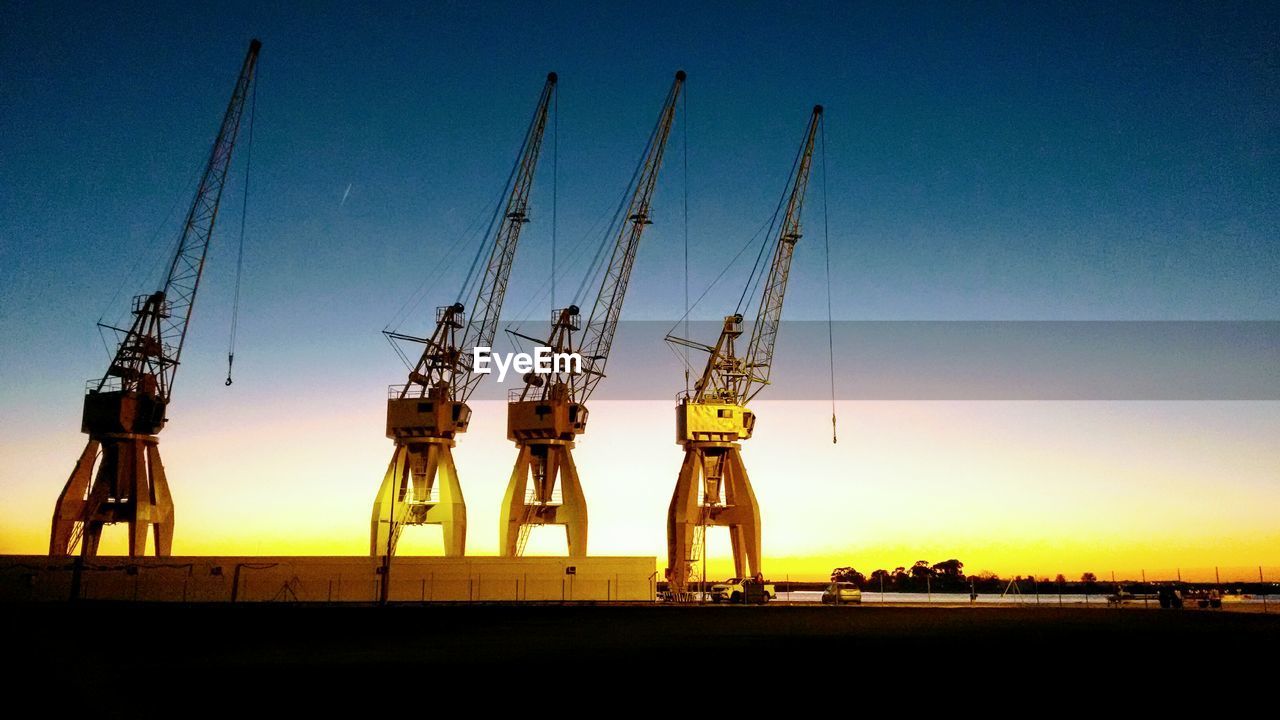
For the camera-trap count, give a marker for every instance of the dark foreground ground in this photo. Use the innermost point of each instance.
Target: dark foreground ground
(298, 651)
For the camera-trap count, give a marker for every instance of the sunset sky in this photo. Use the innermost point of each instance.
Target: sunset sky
(1116, 164)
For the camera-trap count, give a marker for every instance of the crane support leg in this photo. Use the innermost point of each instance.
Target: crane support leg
(683, 516)
(712, 468)
(513, 504)
(422, 487)
(129, 487)
(572, 512)
(161, 503)
(742, 514)
(544, 464)
(69, 510)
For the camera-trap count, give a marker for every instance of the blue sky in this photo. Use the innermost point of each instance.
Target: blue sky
(986, 162)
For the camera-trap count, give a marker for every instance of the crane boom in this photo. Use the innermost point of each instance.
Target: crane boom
(426, 415)
(549, 412)
(713, 489)
(136, 358)
(483, 325)
(597, 339)
(442, 359)
(764, 333)
(728, 377)
(119, 476)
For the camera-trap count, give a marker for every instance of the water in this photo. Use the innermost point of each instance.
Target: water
(871, 597)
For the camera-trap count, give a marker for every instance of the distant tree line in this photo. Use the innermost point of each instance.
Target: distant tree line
(949, 576)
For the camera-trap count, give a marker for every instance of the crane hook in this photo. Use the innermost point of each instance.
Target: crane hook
(231, 358)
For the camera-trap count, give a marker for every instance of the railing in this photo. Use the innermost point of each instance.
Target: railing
(111, 384)
(432, 497)
(575, 320)
(557, 498)
(459, 319)
(416, 391)
(531, 508)
(535, 394)
(140, 303)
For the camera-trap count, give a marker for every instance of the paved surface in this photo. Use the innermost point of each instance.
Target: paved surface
(95, 647)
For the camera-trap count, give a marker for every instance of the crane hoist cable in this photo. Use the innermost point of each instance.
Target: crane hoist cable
(826, 245)
(500, 222)
(555, 188)
(534, 299)
(597, 261)
(429, 281)
(719, 276)
(448, 259)
(451, 255)
(749, 290)
(602, 227)
(244, 211)
(472, 275)
(753, 280)
(757, 271)
(491, 286)
(595, 270)
(684, 186)
(150, 249)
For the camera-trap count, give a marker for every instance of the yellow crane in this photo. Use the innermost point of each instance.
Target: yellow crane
(545, 416)
(125, 410)
(426, 414)
(712, 420)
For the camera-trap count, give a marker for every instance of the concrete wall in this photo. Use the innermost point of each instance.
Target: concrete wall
(330, 579)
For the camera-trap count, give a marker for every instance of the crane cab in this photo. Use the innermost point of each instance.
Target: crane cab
(436, 415)
(113, 410)
(554, 417)
(712, 422)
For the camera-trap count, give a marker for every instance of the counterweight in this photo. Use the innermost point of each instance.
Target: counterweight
(126, 409)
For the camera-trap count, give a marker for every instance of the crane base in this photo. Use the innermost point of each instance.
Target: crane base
(544, 462)
(422, 466)
(129, 487)
(719, 467)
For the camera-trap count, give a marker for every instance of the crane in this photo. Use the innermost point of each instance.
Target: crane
(425, 415)
(125, 409)
(545, 416)
(713, 419)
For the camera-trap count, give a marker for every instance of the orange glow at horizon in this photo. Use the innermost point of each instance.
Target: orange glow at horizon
(1015, 488)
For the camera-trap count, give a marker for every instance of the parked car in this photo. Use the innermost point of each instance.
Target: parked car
(842, 593)
(1169, 597)
(737, 590)
(1120, 597)
(1203, 598)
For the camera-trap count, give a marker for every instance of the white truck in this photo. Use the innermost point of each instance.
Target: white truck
(739, 590)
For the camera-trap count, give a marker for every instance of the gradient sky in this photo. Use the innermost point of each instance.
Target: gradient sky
(986, 162)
